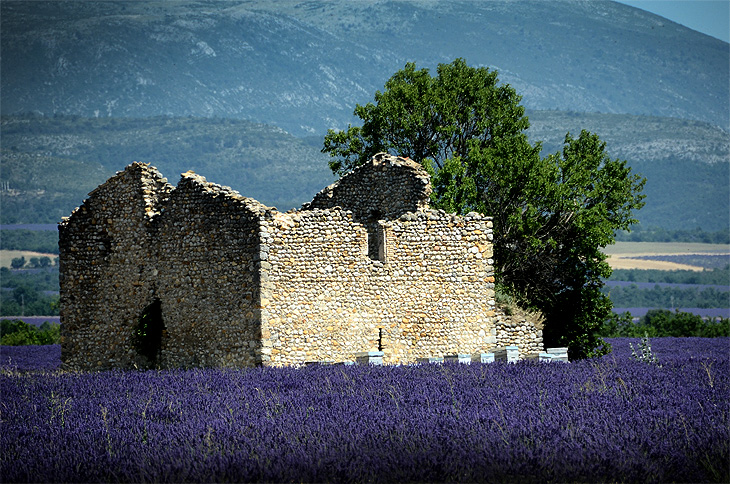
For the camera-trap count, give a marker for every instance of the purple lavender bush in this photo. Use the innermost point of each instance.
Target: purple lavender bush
(605, 420)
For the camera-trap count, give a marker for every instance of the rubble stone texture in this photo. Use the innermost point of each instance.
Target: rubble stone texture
(199, 276)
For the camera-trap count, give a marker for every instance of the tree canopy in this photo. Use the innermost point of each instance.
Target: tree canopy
(552, 215)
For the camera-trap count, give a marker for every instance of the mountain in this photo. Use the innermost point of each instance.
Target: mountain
(303, 65)
(638, 139)
(49, 164)
(243, 91)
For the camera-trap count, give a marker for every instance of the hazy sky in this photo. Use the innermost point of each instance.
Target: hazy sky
(711, 17)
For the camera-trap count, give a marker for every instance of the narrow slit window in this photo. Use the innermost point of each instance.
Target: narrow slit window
(376, 237)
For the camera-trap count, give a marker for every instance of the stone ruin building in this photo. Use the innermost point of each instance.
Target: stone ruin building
(197, 275)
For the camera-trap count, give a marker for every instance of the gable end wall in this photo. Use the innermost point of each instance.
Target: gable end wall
(387, 186)
(137, 240)
(104, 249)
(207, 276)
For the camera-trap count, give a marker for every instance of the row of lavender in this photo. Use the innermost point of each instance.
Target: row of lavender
(613, 419)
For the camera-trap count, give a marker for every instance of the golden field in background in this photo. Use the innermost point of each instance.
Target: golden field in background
(621, 253)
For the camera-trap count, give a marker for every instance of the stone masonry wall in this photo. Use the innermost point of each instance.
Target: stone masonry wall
(383, 189)
(207, 276)
(386, 187)
(137, 240)
(431, 295)
(103, 274)
(516, 330)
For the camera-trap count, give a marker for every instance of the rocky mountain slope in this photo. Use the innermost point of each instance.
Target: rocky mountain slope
(138, 80)
(302, 65)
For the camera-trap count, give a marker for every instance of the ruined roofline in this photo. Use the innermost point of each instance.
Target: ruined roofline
(201, 184)
(156, 191)
(386, 158)
(380, 159)
(438, 213)
(154, 188)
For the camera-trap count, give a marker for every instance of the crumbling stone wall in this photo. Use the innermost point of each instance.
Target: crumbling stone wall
(388, 187)
(206, 276)
(227, 281)
(137, 241)
(103, 268)
(383, 189)
(519, 330)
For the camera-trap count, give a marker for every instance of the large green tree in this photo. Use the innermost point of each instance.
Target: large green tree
(553, 215)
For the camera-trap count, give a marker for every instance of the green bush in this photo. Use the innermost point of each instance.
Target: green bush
(17, 263)
(19, 333)
(662, 322)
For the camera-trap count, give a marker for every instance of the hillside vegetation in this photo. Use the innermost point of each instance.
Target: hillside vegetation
(50, 164)
(154, 80)
(645, 139)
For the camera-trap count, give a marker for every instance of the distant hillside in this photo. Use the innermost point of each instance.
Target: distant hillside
(686, 163)
(303, 65)
(635, 138)
(50, 164)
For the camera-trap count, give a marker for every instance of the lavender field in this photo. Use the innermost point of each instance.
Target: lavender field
(608, 420)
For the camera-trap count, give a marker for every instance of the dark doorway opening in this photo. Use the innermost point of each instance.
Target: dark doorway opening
(147, 336)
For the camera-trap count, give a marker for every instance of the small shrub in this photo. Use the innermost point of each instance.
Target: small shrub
(644, 353)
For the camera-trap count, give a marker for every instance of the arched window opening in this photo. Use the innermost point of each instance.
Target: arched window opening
(147, 335)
